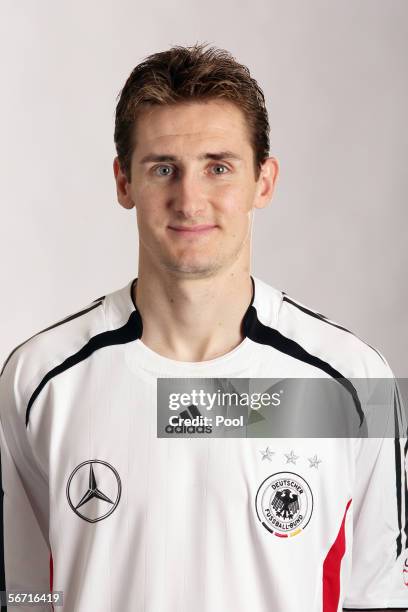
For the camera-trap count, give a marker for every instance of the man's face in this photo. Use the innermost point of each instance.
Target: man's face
(194, 188)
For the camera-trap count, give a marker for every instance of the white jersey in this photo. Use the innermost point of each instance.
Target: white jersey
(97, 506)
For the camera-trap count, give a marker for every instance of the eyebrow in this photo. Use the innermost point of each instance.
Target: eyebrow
(152, 157)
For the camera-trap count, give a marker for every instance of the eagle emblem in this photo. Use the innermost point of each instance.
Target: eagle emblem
(284, 504)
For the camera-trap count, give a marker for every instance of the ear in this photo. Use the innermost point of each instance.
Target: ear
(266, 182)
(122, 186)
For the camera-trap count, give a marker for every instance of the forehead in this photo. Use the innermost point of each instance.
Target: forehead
(192, 124)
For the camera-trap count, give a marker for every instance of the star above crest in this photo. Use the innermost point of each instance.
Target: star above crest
(267, 454)
(291, 457)
(314, 461)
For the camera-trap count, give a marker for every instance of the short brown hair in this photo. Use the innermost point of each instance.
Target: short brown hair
(185, 74)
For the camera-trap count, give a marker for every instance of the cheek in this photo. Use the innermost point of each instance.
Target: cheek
(237, 212)
(149, 207)
(148, 222)
(147, 196)
(235, 200)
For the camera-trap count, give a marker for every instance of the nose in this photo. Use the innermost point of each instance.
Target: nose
(188, 197)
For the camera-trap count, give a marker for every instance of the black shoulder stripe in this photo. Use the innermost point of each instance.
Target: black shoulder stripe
(401, 410)
(69, 318)
(397, 451)
(400, 432)
(132, 330)
(321, 317)
(397, 415)
(258, 332)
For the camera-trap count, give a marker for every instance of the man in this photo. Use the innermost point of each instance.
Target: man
(95, 503)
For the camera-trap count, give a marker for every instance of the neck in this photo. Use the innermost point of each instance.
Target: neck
(193, 319)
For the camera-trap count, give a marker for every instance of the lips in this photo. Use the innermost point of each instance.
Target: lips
(192, 229)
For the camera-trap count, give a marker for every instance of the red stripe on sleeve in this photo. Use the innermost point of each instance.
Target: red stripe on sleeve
(331, 569)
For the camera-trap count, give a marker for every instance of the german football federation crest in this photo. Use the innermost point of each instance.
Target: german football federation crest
(284, 504)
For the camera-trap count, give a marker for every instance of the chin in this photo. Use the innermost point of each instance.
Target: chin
(192, 270)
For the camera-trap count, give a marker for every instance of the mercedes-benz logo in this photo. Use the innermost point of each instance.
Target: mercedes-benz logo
(94, 486)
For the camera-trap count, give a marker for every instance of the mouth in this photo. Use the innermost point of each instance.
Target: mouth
(193, 230)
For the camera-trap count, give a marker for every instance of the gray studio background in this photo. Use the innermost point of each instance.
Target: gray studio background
(335, 77)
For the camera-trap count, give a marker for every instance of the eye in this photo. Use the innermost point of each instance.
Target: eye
(163, 170)
(220, 169)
